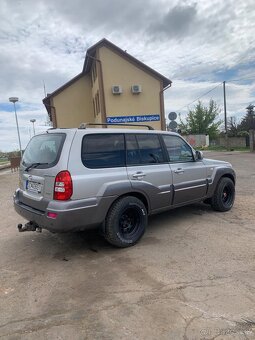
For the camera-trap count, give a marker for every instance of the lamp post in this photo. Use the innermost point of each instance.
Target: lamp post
(14, 100)
(33, 122)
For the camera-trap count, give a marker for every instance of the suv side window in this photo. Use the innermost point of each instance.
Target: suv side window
(143, 149)
(178, 150)
(103, 150)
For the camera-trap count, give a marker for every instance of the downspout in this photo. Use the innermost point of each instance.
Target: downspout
(162, 108)
(53, 115)
(101, 87)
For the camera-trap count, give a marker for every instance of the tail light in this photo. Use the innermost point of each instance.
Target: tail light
(63, 187)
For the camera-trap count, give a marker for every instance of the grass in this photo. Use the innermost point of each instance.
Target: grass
(4, 161)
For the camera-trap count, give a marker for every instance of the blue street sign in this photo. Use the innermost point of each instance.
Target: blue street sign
(133, 119)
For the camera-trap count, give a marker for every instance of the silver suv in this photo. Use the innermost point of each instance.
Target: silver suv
(75, 179)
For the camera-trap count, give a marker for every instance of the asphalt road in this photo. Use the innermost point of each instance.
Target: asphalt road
(192, 276)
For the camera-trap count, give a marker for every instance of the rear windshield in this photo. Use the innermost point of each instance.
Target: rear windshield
(44, 149)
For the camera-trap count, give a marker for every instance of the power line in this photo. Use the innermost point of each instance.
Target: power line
(200, 97)
(234, 80)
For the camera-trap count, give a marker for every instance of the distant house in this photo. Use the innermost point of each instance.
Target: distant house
(112, 87)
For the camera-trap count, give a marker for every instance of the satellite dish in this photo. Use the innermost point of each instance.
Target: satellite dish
(172, 116)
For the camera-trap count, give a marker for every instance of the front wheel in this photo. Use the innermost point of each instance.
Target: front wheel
(224, 195)
(126, 222)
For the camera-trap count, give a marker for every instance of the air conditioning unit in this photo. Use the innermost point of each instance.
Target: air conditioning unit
(136, 89)
(116, 89)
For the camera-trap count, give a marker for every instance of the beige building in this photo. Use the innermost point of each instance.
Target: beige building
(113, 87)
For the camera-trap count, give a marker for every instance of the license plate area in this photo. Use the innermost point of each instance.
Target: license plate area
(34, 187)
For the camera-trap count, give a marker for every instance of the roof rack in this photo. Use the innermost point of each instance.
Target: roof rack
(84, 125)
(52, 128)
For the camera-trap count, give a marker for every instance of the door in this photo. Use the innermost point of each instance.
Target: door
(189, 175)
(148, 169)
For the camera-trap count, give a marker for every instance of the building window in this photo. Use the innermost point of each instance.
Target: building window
(94, 107)
(97, 103)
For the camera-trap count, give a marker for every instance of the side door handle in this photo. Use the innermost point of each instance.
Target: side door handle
(139, 175)
(179, 171)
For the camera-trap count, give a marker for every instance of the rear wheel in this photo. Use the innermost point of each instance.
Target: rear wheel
(224, 195)
(126, 222)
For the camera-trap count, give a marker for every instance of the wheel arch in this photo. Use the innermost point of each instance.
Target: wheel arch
(232, 177)
(136, 194)
(220, 173)
(139, 196)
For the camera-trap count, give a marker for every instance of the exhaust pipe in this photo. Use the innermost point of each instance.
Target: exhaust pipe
(29, 226)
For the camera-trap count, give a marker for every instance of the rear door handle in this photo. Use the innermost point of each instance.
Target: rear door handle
(179, 171)
(138, 175)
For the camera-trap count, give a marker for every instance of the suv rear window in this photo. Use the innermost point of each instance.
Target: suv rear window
(44, 149)
(103, 150)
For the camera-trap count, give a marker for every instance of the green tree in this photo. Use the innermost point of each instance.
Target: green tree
(248, 121)
(202, 120)
(232, 127)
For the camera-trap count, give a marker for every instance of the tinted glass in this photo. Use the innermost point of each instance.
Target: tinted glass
(133, 153)
(178, 150)
(103, 150)
(44, 149)
(143, 149)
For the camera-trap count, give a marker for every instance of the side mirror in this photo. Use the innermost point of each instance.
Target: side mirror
(199, 155)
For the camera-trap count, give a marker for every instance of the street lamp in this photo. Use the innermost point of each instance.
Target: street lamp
(33, 122)
(14, 100)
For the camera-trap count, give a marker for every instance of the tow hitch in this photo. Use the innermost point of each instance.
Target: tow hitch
(29, 226)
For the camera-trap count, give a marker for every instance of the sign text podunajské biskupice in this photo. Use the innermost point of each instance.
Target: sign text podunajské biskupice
(133, 119)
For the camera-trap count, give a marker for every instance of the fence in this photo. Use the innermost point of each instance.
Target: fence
(15, 162)
(197, 140)
(230, 142)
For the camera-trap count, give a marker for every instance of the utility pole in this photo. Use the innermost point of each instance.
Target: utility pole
(225, 107)
(14, 100)
(225, 113)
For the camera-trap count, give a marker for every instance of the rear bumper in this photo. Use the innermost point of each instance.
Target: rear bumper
(71, 215)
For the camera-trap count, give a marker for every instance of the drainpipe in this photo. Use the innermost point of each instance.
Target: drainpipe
(53, 115)
(162, 109)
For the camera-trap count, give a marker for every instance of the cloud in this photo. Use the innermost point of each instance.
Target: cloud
(178, 22)
(106, 16)
(195, 44)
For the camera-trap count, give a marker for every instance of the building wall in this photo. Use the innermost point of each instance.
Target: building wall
(74, 104)
(119, 71)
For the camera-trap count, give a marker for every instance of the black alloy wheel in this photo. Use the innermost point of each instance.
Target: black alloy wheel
(224, 195)
(126, 222)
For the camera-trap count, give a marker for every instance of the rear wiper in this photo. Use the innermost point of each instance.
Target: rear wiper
(34, 165)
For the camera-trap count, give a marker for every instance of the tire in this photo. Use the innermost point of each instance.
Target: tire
(224, 195)
(208, 201)
(126, 222)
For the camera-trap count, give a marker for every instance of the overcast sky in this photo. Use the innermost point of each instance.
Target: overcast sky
(197, 44)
